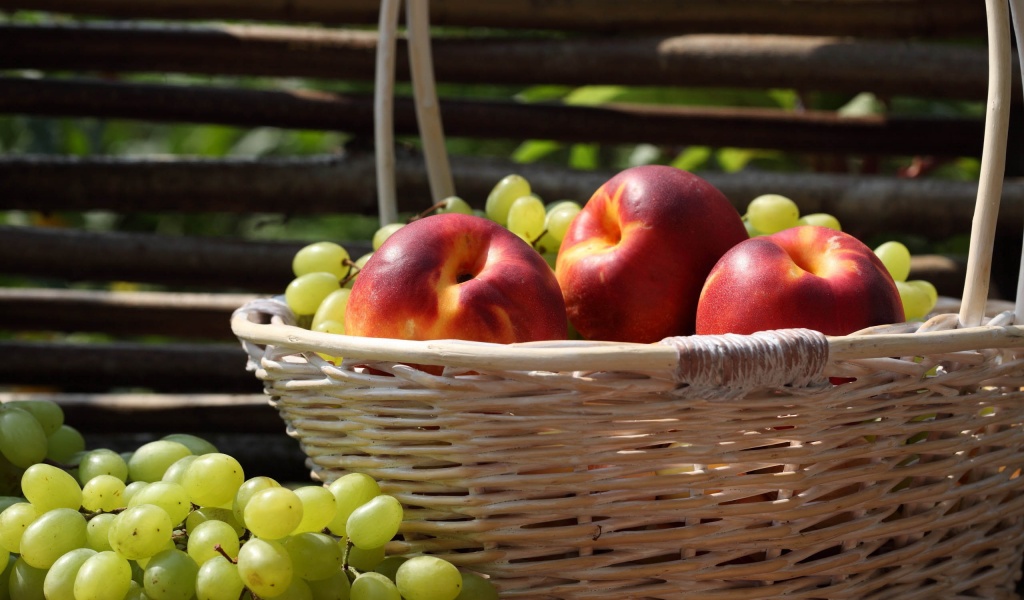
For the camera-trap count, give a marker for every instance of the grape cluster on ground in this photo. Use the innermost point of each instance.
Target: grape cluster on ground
(176, 519)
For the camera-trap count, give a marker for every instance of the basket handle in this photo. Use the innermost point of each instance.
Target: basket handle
(1017, 15)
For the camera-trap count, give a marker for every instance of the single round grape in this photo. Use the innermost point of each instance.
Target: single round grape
(135, 590)
(929, 290)
(194, 443)
(476, 587)
(332, 308)
(64, 443)
(53, 534)
(60, 579)
(501, 197)
(428, 578)
(140, 531)
(150, 460)
(373, 586)
(375, 523)
(169, 496)
(97, 532)
(204, 539)
(213, 479)
(265, 567)
(103, 576)
(250, 487)
(103, 493)
(218, 579)
(559, 217)
(820, 220)
(454, 204)
(305, 293)
(133, 488)
(335, 587)
(49, 414)
(314, 555)
(350, 492)
(48, 487)
(916, 302)
(321, 257)
(360, 263)
(770, 213)
(364, 559)
(170, 575)
(383, 233)
(896, 258)
(26, 582)
(13, 522)
(213, 513)
(176, 471)
(318, 507)
(102, 461)
(526, 218)
(22, 439)
(273, 513)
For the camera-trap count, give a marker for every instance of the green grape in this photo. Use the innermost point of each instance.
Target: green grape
(213, 513)
(298, 590)
(559, 217)
(526, 218)
(149, 462)
(373, 586)
(102, 462)
(22, 439)
(13, 522)
(273, 513)
(325, 257)
(314, 555)
(360, 263)
(6, 501)
(176, 471)
(389, 566)
(170, 575)
(26, 582)
(504, 193)
(365, 559)
(265, 567)
(103, 493)
(140, 531)
(194, 443)
(332, 308)
(916, 301)
(751, 231)
(305, 293)
(60, 579)
(51, 535)
(133, 488)
(213, 479)
(428, 578)
(476, 587)
(250, 487)
(770, 213)
(10, 480)
(135, 591)
(318, 507)
(375, 523)
(383, 233)
(98, 530)
(48, 487)
(103, 576)
(350, 492)
(169, 496)
(335, 587)
(820, 220)
(218, 579)
(49, 414)
(929, 290)
(896, 258)
(204, 539)
(454, 204)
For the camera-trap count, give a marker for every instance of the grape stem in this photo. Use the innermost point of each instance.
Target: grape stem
(538, 238)
(429, 211)
(220, 550)
(353, 270)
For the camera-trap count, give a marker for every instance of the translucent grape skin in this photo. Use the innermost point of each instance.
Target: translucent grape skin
(374, 524)
(218, 579)
(821, 220)
(60, 578)
(197, 445)
(559, 217)
(318, 508)
(53, 534)
(321, 256)
(103, 493)
(103, 576)
(150, 461)
(526, 216)
(332, 308)
(455, 204)
(374, 586)
(428, 578)
(476, 587)
(13, 522)
(171, 497)
(50, 415)
(140, 531)
(213, 479)
(502, 195)
(896, 258)
(170, 575)
(102, 461)
(265, 567)
(246, 492)
(350, 492)
(64, 443)
(273, 513)
(771, 213)
(304, 294)
(314, 555)
(22, 439)
(383, 233)
(207, 536)
(48, 487)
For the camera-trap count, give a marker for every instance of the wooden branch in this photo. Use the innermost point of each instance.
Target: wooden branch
(745, 61)
(811, 131)
(173, 314)
(875, 18)
(100, 367)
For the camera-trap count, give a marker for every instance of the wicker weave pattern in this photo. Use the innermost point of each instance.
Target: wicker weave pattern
(904, 483)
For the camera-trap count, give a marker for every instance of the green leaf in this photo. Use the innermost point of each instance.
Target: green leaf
(692, 158)
(531, 151)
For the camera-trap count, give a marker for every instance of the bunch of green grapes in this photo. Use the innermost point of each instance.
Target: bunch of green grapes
(318, 294)
(176, 520)
(32, 431)
(771, 213)
(918, 296)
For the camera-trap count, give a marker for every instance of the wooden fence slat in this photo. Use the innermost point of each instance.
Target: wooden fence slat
(809, 131)
(720, 61)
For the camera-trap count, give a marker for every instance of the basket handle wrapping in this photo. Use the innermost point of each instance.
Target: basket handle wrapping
(1017, 15)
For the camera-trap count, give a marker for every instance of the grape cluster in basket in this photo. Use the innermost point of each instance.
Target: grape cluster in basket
(655, 252)
(176, 520)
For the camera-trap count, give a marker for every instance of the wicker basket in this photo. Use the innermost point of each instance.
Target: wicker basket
(725, 467)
